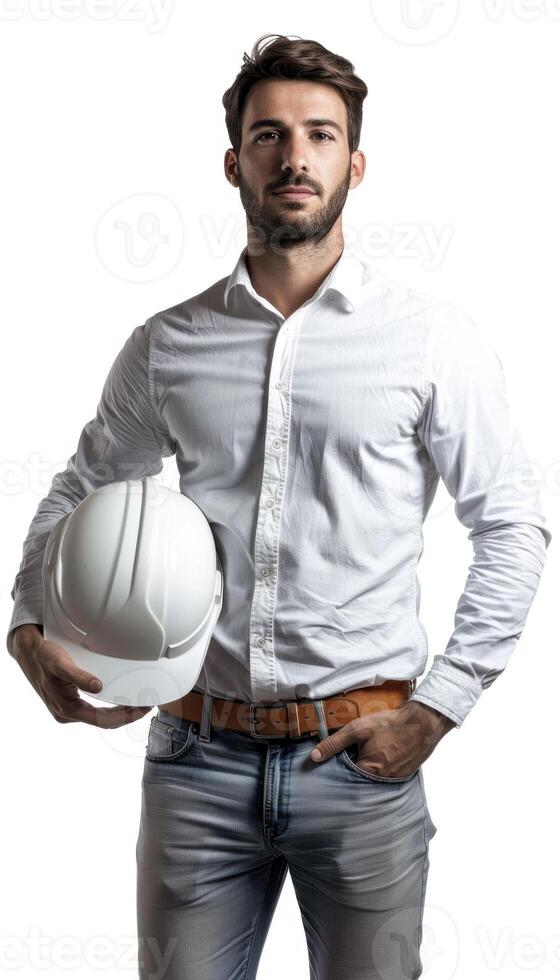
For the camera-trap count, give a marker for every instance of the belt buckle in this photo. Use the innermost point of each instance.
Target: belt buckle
(252, 720)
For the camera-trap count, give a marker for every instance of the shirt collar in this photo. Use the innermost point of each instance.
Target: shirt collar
(345, 278)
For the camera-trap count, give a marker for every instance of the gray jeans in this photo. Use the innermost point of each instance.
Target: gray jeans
(225, 815)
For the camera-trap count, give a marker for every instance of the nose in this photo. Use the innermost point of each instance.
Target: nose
(294, 155)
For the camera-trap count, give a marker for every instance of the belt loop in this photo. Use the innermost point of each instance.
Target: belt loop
(293, 719)
(320, 712)
(205, 734)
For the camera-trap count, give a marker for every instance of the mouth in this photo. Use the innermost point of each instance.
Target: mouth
(293, 195)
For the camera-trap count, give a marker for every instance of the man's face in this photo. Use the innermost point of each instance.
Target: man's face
(303, 143)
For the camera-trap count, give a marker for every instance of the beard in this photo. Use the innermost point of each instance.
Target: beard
(290, 225)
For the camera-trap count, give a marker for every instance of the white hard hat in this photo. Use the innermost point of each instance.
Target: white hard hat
(133, 588)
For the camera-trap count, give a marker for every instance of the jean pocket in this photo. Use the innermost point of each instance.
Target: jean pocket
(168, 743)
(349, 757)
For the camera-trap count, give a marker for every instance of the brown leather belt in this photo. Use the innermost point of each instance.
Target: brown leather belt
(293, 719)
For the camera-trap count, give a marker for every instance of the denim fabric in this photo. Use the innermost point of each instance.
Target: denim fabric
(222, 822)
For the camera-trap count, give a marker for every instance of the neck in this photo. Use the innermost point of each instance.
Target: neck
(289, 278)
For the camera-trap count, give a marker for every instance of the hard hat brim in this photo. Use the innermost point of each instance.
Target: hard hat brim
(137, 682)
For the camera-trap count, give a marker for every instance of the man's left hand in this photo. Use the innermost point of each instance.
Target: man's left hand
(393, 742)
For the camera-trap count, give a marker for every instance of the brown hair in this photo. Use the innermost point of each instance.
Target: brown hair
(300, 58)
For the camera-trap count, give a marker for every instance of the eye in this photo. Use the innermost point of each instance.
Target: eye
(317, 133)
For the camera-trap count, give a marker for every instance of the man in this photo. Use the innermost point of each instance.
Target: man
(312, 407)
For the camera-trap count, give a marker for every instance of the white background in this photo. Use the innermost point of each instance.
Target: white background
(103, 103)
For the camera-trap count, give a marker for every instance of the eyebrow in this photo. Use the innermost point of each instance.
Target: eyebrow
(308, 122)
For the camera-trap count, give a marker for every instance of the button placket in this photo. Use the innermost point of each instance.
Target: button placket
(269, 515)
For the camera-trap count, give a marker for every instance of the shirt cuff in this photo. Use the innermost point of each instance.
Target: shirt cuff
(444, 689)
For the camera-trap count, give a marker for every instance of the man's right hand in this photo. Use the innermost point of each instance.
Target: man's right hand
(57, 679)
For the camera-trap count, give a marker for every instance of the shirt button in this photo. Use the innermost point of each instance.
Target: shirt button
(260, 641)
(265, 571)
(277, 443)
(270, 502)
(279, 384)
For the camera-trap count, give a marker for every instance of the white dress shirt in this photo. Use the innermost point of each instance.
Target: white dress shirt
(314, 444)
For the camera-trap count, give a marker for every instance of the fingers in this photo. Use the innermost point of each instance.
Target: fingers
(56, 678)
(335, 742)
(115, 717)
(58, 662)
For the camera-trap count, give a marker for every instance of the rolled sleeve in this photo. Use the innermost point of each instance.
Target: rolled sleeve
(126, 439)
(467, 429)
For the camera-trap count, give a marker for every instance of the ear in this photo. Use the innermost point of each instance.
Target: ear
(231, 167)
(358, 168)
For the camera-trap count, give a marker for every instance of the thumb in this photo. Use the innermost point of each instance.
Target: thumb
(62, 665)
(334, 743)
